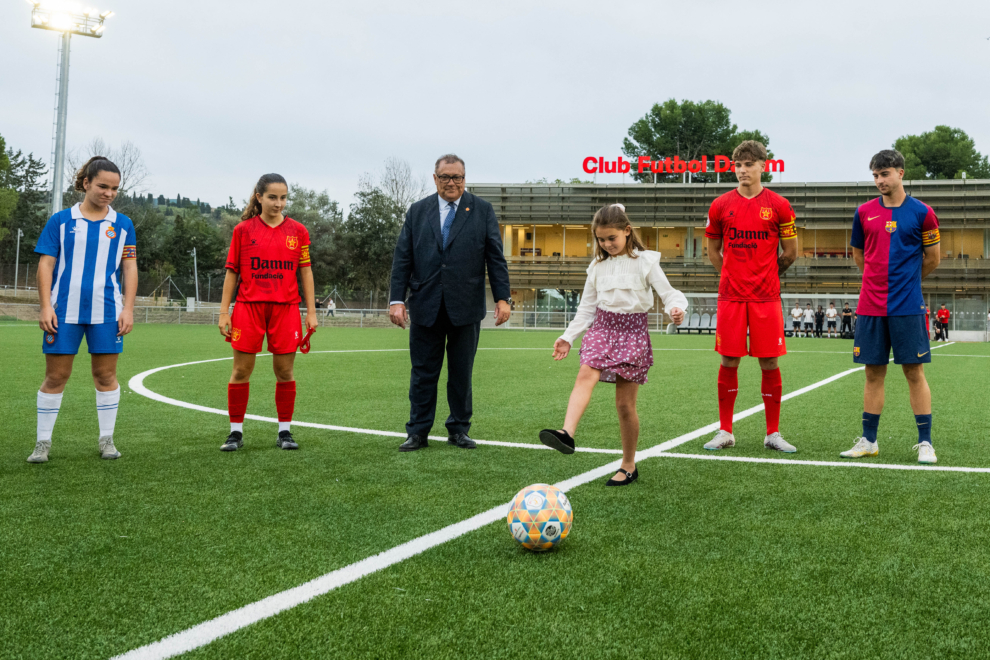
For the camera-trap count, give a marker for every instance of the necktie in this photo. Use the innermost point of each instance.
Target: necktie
(447, 221)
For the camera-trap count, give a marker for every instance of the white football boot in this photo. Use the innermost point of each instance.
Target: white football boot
(722, 440)
(926, 453)
(775, 442)
(863, 447)
(40, 454)
(107, 450)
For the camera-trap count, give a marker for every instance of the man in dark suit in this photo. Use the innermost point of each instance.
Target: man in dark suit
(446, 242)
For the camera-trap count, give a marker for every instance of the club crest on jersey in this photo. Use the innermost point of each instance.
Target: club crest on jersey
(292, 242)
(111, 234)
(765, 213)
(50, 338)
(891, 226)
(235, 334)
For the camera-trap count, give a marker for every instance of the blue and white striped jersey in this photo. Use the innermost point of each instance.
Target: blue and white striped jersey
(88, 253)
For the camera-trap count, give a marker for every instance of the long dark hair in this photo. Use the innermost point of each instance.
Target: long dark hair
(254, 206)
(91, 168)
(614, 216)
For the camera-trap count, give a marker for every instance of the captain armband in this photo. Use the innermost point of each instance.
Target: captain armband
(130, 252)
(931, 237)
(788, 230)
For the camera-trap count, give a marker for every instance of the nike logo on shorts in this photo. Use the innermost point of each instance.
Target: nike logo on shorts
(923, 354)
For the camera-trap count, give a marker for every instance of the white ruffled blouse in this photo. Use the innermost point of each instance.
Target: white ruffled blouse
(622, 285)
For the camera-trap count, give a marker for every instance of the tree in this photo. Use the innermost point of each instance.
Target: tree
(944, 153)
(396, 181)
(8, 193)
(372, 228)
(127, 157)
(689, 130)
(324, 220)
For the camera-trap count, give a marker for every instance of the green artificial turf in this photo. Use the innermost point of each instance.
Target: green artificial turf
(698, 559)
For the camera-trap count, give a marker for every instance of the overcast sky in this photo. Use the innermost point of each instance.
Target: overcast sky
(217, 93)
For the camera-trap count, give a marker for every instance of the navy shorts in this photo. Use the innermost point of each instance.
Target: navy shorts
(100, 338)
(876, 335)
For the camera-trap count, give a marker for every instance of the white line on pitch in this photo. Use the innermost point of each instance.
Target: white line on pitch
(790, 461)
(208, 631)
(137, 385)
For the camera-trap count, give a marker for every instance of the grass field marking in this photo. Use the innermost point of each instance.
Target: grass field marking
(137, 385)
(790, 461)
(208, 631)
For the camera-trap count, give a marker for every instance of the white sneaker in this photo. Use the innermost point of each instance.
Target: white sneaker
(863, 447)
(926, 453)
(722, 440)
(107, 450)
(40, 454)
(777, 443)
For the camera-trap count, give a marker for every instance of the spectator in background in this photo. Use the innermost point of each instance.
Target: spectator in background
(809, 320)
(819, 321)
(796, 315)
(847, 319)
(831, 315)
(928, 320)
(943, 315)
(332, 307)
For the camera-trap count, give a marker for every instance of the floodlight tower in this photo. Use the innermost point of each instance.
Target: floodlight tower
(85, 23)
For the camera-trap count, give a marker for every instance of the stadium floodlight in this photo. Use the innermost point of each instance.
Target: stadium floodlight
(68, 21)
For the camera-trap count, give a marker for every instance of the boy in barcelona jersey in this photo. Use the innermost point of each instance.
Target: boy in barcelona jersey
(751, 242)
(895, 243)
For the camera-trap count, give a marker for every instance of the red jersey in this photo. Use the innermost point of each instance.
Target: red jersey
(267, 259)
(943, 315)
(750, 230)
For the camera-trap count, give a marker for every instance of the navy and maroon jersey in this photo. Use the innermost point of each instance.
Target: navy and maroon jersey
(751, 230)
(267, 259)
(893, 242)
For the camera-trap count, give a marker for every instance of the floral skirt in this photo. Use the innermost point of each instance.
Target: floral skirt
(618, 345)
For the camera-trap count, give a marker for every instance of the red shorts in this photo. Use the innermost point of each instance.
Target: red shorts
(765, 322)
(250, 322)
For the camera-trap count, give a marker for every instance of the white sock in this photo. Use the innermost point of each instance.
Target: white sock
(48, 406)
(106, 410)
(237, 426)
(283, 426)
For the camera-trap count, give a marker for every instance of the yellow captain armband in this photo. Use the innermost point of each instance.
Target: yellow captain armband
(129, 252)
(788, 230)
(931, 237)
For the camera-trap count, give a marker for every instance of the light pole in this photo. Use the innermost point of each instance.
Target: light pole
(17, 261)
(195, 275)
(87, 24)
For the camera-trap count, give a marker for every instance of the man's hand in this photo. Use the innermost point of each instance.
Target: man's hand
(560, 349)
(49, 320)
(126, 322)
(398, 315)
(311, 322)
(224, 324)
(677, 315)
(502, 312)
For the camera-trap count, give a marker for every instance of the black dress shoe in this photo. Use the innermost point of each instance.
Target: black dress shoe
(630, 477)
(461, 440)
(559, 440)
(413, 443)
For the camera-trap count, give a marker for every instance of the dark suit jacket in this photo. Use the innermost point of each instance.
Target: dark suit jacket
(456, 275)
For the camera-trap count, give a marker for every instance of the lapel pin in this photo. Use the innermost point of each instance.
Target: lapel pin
(467, 208)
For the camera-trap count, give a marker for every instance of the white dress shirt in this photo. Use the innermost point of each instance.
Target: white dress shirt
(444, 209)
(622, 285)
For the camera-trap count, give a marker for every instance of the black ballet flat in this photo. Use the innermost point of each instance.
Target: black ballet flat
(630, 477)
(559, 440)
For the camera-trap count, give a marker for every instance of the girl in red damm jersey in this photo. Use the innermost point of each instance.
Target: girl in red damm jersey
(269, 255)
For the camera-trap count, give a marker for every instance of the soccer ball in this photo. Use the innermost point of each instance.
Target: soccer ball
(540, 517)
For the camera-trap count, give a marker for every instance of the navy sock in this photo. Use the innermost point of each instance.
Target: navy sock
(924, 423)
(871, 423)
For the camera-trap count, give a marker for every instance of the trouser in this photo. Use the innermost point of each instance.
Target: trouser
(818, 329)
(426, 349)
(846, 325)
(945, 331)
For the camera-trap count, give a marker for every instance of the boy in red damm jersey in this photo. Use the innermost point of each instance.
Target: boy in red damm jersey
(268, 252)
(751, 242)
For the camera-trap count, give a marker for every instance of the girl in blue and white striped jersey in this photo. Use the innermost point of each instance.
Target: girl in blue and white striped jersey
(89, 250)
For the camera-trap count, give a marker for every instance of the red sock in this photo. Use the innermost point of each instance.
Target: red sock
(237, 398)
(728, 388)
(285, 400)
(771, 389)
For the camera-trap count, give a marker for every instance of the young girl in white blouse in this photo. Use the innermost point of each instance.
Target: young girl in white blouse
(616, 348)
